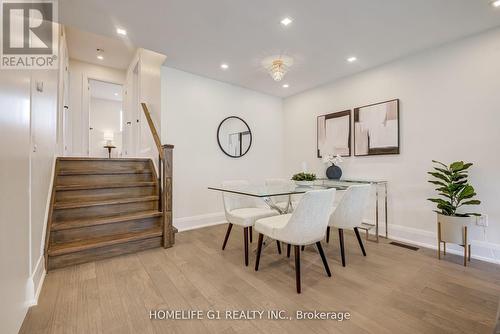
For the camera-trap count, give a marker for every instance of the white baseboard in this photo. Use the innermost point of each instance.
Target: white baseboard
(200, 221)
(481, 250)
(35, 283)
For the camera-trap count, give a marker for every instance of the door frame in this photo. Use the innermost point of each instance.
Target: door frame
(86, 107)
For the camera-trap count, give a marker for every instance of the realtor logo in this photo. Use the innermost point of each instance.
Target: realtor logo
(29, 35)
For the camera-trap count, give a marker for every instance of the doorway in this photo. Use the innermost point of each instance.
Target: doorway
(105, 119)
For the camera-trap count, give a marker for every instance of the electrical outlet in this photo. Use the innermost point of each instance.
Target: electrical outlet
(482, 220)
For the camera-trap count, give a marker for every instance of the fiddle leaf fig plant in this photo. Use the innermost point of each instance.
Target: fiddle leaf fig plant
(453, 188)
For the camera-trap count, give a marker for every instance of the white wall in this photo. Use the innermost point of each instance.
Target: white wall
(192, 108)
(43, 152)
(79, 73)
(14, 197)
(105, 117)
(449, 111)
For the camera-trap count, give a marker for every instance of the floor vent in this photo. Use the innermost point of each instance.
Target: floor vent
(413, 248)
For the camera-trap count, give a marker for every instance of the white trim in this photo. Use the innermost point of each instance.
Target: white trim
(200, 221)
(481, 250)
(35, 283)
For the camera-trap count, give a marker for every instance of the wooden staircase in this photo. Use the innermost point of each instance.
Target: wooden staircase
(102, 208)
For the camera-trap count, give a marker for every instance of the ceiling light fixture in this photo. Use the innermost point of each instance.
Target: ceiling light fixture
(496, 3)
(116, 94)
(286, 21)
(352, 59)
(286, 85)
(121, 31)
(277, 66)
(224, 66)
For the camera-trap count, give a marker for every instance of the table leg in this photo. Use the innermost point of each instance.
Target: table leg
(376, 212)
(385, 211)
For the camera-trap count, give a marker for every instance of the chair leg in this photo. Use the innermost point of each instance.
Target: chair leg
(444, 247)
(229, 227)
(469, 253)
(342, 252)
(259, 249)
(302, 248)
(360, 241)
(278, 244)
(250, 232)
(328, 234)
(288, 247)
(245, 239)
(297, 268)
(323, 258)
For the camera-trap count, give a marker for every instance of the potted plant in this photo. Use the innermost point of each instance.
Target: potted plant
(455, 192)
(304, 179)
(333, 172)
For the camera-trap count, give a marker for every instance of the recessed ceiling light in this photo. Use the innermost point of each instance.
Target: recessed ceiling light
(286, 85)
(100, 57)
(286, 21)
(121, 31)
(496, 3)
(224, 66)
(116, 94)
(352, 59)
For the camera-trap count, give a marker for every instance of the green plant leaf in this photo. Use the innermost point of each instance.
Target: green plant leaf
(457, 166)
(439, 176)
(440, 163)
(472, 202)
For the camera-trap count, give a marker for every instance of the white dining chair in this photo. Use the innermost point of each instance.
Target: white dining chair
(348, 214)
(305, 226)
(282, 202)
(243, 211)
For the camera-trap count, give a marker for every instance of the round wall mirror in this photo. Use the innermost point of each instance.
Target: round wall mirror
(234, 137)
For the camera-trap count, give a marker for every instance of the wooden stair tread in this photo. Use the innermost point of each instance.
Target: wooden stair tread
(105, 186)
(79, 223)
(77, 246)
(102, 159)
(84, 204)
(103, 172)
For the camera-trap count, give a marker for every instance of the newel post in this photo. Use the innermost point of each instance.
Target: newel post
(168, 229)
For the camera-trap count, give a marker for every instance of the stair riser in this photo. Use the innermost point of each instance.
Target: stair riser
(103, 179)
(100, 253)
(89, 232)
(103, 194)
(103, 165)
(103, 210)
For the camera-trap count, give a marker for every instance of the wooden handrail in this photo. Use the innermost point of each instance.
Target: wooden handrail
(164, 181)
(153, 130)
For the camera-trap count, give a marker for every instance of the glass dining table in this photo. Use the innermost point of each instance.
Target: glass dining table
(267, 192)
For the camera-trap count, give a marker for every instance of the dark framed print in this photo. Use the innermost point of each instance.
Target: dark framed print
(334, 134)
(376, 129)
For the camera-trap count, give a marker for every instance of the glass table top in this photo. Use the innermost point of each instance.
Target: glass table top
(291, 188)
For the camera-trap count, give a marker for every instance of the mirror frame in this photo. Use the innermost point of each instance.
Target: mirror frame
(249, 130)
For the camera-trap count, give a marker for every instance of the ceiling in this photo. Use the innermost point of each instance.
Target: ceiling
(105, 90)
(83, 46)
(198, 35)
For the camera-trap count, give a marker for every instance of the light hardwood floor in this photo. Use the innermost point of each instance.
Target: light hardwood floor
(392, 290)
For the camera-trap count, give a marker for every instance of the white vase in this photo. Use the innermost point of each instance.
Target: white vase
(452, 228)
(304, 183)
